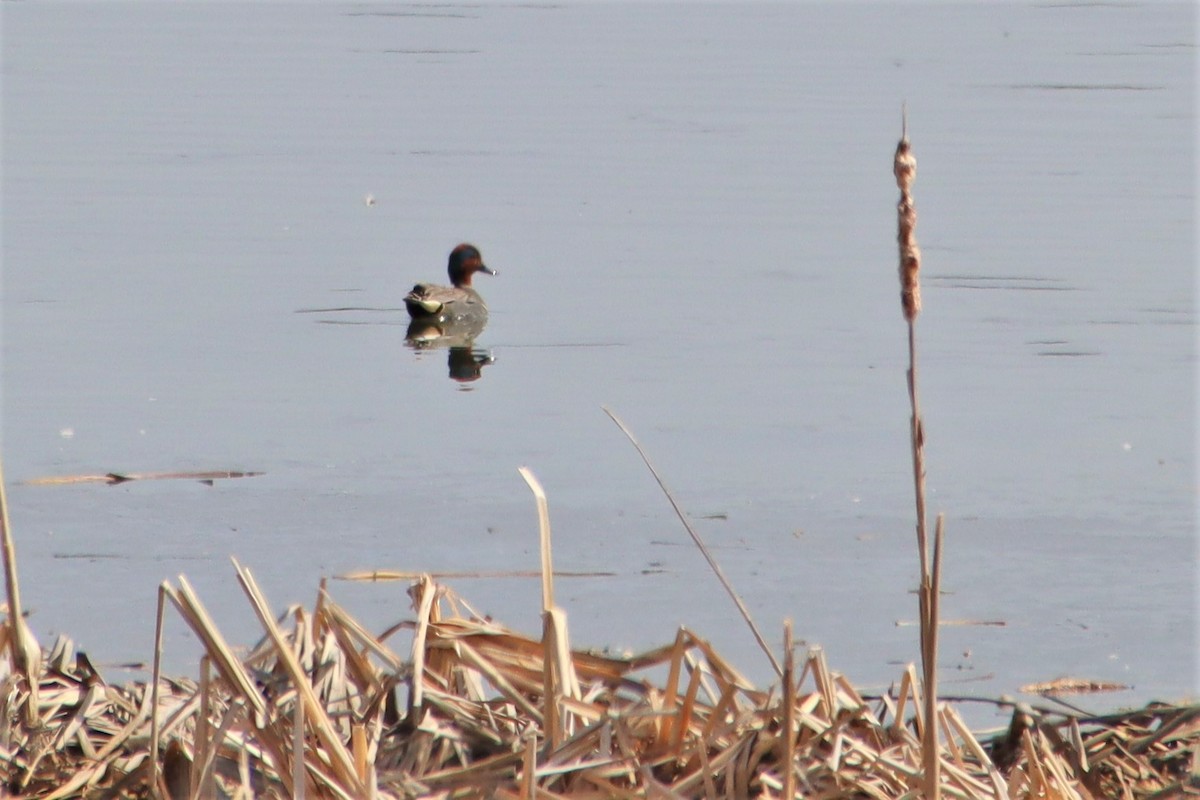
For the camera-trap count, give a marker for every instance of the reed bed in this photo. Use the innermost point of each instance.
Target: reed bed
(469, 708)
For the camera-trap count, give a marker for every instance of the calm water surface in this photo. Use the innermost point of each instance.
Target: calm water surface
(692, 213)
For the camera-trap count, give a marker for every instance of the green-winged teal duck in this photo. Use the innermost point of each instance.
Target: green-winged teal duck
(457, 302)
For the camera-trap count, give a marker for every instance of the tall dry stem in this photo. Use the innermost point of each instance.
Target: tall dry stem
(789, 712)
(24, 650)
(156, 678)
(905, 169)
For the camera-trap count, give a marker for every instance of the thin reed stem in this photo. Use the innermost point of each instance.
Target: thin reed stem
(712, 562)
(917, 434)
(156, 678)
(931, 594)
(788, 766)
(905, 169)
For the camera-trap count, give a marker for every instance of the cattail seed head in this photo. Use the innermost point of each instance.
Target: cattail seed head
(905, 169)
(910, 282)
(905, 165)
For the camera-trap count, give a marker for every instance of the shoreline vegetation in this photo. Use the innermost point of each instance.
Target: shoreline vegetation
(450, 704)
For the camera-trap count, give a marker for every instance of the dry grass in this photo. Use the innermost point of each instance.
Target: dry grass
(321, 708)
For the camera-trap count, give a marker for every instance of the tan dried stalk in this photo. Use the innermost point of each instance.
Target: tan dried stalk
(543, 509)
(339, 758)
(789, 713)
(23, 648)
(156, 677)
(905, 169)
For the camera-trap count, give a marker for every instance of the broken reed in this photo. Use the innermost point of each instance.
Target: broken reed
(905, 169)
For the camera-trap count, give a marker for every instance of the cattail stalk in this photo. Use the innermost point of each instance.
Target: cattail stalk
(905, 169)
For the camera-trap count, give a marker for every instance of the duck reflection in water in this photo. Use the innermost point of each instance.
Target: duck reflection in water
(465, 362)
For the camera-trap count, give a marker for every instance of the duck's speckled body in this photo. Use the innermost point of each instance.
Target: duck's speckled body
(458, 302)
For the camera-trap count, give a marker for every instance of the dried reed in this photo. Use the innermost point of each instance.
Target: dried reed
(19, 639)
(321, 708)
(317, 710)
(905, 169)
(112, 478)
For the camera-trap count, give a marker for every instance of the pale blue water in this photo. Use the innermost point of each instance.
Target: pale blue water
(692, 213)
